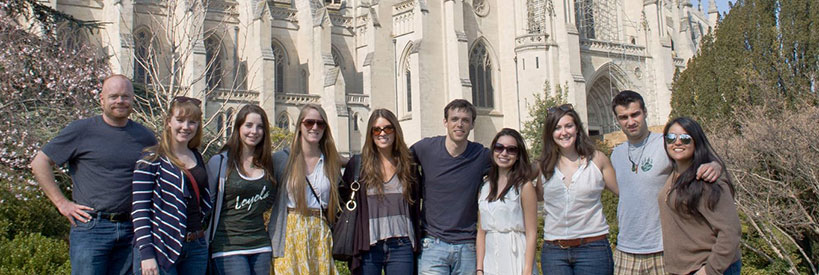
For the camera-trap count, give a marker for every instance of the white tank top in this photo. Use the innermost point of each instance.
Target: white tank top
(575, 211)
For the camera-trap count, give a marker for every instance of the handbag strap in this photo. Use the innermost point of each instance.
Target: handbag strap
(315, 195)
(194, 184)
(313, 191)
(357, 170)
(355, 185)
(213, 215)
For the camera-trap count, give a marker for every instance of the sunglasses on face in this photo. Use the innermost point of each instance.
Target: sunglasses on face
(499, 148)
(672, 138)
(308, 123)
(183, 99)
(564, 107)
(386, 130)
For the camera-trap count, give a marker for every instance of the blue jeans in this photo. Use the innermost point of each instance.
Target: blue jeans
(734, 268)
(590, 258)
(439, 257)
(192, 261)
(101, 246)
(258, 264)
(393, 256)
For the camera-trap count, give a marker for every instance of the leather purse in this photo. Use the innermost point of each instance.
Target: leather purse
(344, 228)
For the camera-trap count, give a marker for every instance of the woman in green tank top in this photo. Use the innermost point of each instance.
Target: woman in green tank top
(242, 174)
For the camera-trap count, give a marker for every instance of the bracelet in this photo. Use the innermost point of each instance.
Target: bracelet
(479, 270)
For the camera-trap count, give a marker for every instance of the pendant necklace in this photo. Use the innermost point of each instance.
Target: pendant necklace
(634, 164)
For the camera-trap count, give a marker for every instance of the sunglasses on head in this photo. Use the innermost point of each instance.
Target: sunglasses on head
(672, 138)
(499, 148)
(310, 122)
(183, 99)
(386, 130)
(564, 107)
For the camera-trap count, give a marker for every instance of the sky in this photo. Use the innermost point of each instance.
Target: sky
(722, 5)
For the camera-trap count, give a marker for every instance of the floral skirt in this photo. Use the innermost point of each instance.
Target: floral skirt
(307, 247)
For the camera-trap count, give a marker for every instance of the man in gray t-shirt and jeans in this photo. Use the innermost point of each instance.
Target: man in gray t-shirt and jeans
(642, 168)
(101, 153)
(452, 170)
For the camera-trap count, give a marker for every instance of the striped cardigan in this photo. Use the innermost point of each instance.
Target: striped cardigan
(159, 209)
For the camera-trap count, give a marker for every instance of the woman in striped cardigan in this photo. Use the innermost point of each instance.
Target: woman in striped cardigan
(171, 198)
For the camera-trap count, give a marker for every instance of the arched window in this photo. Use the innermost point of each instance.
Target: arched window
(228, 122)
(480, 73)
(337, 60)
(279, 59)
(220, 125)
(143, 41)
(408, 77)
(213, 57)
(283, 121)
(305, 78)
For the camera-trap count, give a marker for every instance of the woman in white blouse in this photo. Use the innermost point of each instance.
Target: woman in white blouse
(311, 179)
(572, 177)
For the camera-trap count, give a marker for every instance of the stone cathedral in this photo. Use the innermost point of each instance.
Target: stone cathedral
(410, 56)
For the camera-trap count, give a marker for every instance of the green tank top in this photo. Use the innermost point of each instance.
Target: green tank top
(241, 224)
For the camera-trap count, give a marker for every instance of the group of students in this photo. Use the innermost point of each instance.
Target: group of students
(445, 205)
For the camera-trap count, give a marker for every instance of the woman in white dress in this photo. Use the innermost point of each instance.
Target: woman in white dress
(507, 204)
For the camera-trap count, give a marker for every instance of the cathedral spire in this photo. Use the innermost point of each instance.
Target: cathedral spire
(712, 7)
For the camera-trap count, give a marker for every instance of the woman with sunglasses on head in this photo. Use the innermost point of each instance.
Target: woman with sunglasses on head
(572, 177)
(387, 231)
(507, 203)
(171, 197)
(309, 173)
(241, 176)
(701, 228)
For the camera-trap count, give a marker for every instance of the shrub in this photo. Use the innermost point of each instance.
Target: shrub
(27, 211)
(772, 160)
(33, 253)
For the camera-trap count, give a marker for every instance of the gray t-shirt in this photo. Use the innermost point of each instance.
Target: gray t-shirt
(638, 213)
(450, 188)
(100, 161)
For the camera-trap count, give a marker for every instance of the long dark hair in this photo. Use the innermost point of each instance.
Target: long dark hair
(551, 152)
(686, 188)
(263, 151)
(371, 160)
(518, 175)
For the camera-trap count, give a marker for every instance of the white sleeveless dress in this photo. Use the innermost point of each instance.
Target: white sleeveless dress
(505, 233)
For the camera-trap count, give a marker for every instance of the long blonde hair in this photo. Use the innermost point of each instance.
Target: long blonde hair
(297, 167)
(187, 109)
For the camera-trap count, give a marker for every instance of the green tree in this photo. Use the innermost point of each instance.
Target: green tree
(759, 67)
(761, 50)
(538, 109)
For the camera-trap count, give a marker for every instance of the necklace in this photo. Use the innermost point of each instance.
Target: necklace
(634, 164)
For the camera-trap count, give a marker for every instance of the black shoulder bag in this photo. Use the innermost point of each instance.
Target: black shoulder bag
(344, 229)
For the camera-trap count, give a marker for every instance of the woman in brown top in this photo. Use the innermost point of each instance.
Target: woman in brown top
(701, 228)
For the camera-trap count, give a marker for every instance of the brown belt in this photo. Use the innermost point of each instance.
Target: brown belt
(576, 242)
(192, 236)
(310, 212)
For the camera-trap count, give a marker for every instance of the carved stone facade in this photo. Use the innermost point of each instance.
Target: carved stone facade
(414, 56)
